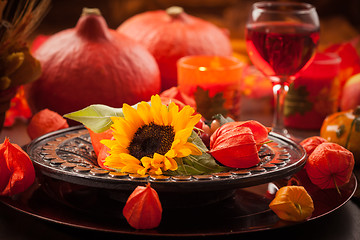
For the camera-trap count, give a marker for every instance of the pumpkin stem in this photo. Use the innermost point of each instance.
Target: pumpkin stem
(350, 131)
(357, 110)
(90, 11)
(92, 25)
(174, 11)
(298, 206)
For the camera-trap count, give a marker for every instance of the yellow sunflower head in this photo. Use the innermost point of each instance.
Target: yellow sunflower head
(148, 139)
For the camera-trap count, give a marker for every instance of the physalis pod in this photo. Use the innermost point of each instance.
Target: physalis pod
(17, 172)
(292, 203)
(236, 144)
(143, 209)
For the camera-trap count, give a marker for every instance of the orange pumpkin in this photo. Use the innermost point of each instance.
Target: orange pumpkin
(172, 34)
(91, 64)
(343, 128)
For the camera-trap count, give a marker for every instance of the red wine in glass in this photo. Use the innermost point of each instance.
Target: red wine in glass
(281, 38)
(281, 49)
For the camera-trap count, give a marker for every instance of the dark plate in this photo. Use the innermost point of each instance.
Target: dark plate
(67, 155)
(246, 211)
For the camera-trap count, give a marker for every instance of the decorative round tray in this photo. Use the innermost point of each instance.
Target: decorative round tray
(68, 155)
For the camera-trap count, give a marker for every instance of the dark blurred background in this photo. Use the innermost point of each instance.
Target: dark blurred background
(340, 20)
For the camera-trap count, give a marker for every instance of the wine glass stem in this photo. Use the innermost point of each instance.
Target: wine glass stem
(280, 91)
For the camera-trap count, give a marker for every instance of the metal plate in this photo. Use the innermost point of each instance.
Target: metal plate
(68, 155)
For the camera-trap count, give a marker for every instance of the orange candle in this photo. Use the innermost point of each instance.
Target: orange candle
(214, 82)
(314, 93)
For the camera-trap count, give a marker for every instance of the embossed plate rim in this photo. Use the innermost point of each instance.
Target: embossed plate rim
(217, 181)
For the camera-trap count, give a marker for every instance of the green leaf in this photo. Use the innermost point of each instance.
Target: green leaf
(184, 169)
(222, 119)
(197, 165)
(96, 117)
(195, 139)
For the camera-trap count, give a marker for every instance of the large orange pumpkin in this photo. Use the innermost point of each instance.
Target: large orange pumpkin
(172, 34)
(91, 64)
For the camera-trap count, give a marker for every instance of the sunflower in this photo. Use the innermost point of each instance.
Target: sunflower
(148, 139)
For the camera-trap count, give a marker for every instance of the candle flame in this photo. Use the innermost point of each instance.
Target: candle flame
(202, 69)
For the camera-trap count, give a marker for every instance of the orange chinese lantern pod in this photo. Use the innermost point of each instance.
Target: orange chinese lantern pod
(292, 203)
(310, 143)
(143, 208)
(235, 147)
(167, 100)
(103, 154)
(259, 131)
(97, 137)
(17, 172)
(19, 108)
(175, 93)
(330, 165)
(44, 122)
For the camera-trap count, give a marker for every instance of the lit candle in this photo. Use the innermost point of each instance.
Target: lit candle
(214, 82)
(314, 93)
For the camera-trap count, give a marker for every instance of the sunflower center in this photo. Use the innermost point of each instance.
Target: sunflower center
(150, 139)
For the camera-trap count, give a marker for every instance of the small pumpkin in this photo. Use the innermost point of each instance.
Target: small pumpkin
(343, 128)
(172, 34)
(91, 64)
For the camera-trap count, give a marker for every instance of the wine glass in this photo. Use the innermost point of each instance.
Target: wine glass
(281, 39)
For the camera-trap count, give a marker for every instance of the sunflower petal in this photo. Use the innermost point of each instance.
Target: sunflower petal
(156, 109)
(144, 109)
(183, 152)
(164, 113)
(171, 153)
(173, 111)
(193, 121)
(194, 149)
(170, 164)
(184, 113)
(132, 113)
(183, 134)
